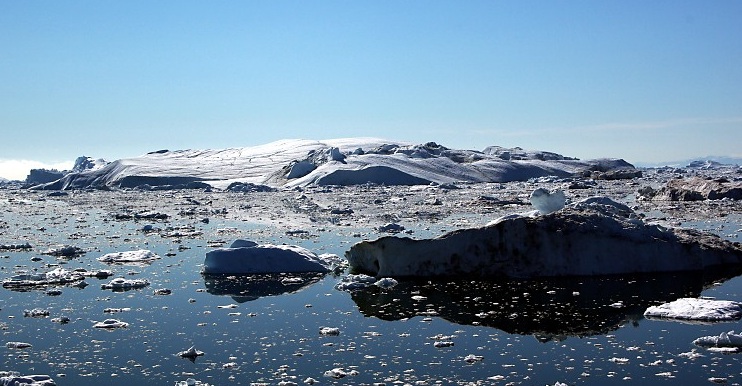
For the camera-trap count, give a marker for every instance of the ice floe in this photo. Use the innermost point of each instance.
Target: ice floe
(137, 256)
(55, 276)
(595, 236)
(546, 202)
(701, 310)
(120, 283)
(245, 257)
(723, 340)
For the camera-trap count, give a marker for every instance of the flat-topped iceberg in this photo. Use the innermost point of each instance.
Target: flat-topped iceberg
(595, 236)
(701, 310)
(137, 256)
(247, 257)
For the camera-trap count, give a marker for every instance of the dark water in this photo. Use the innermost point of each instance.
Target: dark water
(577, 331)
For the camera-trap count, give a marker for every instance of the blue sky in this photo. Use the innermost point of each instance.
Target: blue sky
(643, 81)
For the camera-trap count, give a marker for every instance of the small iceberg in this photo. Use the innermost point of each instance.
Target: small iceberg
(698, 310)
(64, 251)
(111, 324)
(724, 340)
(122, 284)
(247, 257)
(191, 353)
(138, 256)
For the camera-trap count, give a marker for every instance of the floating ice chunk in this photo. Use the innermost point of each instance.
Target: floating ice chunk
(36, 313)
(336, 373)
(547, 202)
(386, 282)
(15, 379)
(191, 353)
(390, 228)
(333, 331)
(191, 382)
(120, 283)
(56, 276)
(64, 251)
(18, 345)
(265, 258)
(702, 310)
(138, 256)
(354, 282)
(725, 339)
(471, 358)
(111, 324)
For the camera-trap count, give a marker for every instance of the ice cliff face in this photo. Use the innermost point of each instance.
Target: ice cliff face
(352, 161)
(593, 237)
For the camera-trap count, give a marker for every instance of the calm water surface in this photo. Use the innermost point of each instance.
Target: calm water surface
(577, 331)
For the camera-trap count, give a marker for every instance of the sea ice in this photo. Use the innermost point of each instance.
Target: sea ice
(265, 258)
(701, 310)
(120, 283)
(353, 282)
(138, 256)
(56, 276)
(725, 339)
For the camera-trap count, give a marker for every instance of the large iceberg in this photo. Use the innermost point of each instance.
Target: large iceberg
(247, 257)
(595, 236)
(349, 161)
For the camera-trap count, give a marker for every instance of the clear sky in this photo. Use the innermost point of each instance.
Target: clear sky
(639, 80)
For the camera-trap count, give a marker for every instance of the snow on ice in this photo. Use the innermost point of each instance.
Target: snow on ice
(702, 310)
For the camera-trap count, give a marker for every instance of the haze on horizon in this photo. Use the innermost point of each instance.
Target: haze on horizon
(646, 82)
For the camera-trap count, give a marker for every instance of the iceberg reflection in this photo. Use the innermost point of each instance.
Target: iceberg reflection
(549, 309)
(245, 288)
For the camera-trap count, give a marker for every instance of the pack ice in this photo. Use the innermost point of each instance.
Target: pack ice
(595, 236)
(15, 379)
(248, 257)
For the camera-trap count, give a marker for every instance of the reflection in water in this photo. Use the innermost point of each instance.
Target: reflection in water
(245, 288)
(550, 309)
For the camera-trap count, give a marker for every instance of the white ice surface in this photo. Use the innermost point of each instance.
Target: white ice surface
(138, 256)
(121, 283)
(296, 162)
(702, 310)
(55, 276)
(266, 258)
(725, 339)
(15, 379)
